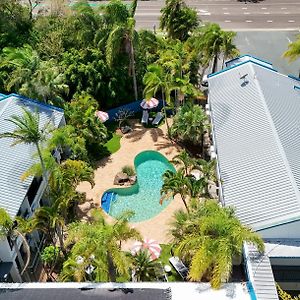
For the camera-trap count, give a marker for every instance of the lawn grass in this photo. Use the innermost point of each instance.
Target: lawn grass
(164, 258)
(113, 145)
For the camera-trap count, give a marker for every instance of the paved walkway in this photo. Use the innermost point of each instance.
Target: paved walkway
(140, 139)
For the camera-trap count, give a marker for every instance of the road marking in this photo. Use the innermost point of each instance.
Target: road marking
(291, 21)
(205, 14)
(266, 13)
(270, 21)
(224, 8)
(283, 8)
(246, 13)
(248, 21)
(286, 13)
(247, 40)
(226, 13)
(263, 8)
(288, 40)
(244, 7)
(227, 21)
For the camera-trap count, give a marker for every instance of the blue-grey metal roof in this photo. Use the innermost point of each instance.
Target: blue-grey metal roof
(255, 114)
(15, 160)
(260, 274)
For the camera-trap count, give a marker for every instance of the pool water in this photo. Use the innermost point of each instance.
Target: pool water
(143, 197)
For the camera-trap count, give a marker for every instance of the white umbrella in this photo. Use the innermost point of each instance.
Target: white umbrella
(149, 103)
(149, 245)
(102, 115)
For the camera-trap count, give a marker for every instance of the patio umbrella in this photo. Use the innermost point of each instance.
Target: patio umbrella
(102, 115)
(150, 245)
(149, 103)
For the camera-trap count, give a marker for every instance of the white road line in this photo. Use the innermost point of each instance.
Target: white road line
(263, 8)
(286, 13)
(270, 21)
(226, 13)
(224, 8)
(227, 21)
(244, 7)
(247, 41)
(283, 8)
(291, 21)
(246, 13)
(266, 13)
(248, 21)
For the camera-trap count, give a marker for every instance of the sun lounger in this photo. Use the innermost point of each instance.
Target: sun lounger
(179, 266)
(157, 118)
(145, 117)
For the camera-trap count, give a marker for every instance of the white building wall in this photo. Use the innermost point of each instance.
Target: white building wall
(285, 231)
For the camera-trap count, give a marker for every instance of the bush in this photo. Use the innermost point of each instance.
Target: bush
(129, 170)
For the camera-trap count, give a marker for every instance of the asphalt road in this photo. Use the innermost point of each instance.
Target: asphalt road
(231, 14)
(264, 29)
(269, 46)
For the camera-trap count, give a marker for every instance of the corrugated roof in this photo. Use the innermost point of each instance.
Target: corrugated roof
(260, 274)
(14, 161)
(256, 124)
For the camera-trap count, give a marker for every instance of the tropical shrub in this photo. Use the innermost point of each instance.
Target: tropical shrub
(129, 170)
(208, 238)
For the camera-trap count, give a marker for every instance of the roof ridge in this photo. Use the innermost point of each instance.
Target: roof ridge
(276, 136)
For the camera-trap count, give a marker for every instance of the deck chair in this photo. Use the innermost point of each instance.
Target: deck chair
(179, 266)
(157, 118)
(145, 117)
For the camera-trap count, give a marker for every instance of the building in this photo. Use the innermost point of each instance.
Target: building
(255, 115)
(17, 197)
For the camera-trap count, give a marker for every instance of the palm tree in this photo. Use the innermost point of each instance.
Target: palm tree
(28, 131)
(8, 228)
(123, 37)
(157, 79)
(208, 170)
(49, 220)
(293, 51)
(174, 183)
(178, 19)
(208, 238)
(96, 247)
(143, 268)
(23, 62)
(183, 159)
(229, 50)
(189, 124)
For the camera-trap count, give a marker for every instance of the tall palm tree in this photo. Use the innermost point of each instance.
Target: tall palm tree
(208, 170)
(228, 48)
(49, 220)
(183, 159)
(208, 238)
(156, 79)
(28, 131)
(174, 183)
(8, 228)
(123, 36)
(293, 51)
(97, 244)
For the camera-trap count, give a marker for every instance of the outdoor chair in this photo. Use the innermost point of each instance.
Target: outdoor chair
(145, 117)
(179, 266)
(157, 118)
(160, 273)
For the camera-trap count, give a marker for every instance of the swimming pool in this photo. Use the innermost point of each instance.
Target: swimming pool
(142, 197)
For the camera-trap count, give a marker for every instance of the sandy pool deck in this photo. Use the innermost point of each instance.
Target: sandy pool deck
(140, 139)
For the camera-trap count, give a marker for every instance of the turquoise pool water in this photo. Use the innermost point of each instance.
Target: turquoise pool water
(143, 197)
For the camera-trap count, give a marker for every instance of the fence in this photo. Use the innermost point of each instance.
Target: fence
(132, 106)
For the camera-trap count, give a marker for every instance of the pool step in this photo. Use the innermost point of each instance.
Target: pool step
(106, 200)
